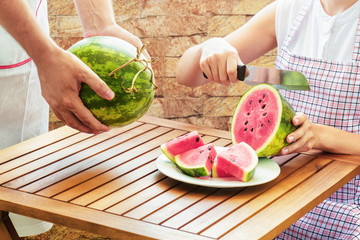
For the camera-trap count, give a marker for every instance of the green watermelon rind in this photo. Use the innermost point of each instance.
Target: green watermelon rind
(285, 128)
(193, 171)
(284, 125)
(103, 55)
(166, 153)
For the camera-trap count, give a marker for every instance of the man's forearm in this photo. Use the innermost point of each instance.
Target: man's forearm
(95, 15)
(17, 18)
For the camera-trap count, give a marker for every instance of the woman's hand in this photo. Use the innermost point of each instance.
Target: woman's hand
(302, 139)
(219, 61)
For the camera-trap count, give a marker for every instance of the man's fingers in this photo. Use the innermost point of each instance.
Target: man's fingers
(100, 87)
(58, 115)
(77, 116)
(86, 118)
(72, 121)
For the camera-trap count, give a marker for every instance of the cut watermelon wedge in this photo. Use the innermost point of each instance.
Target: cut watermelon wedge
(238, 161)
(197, 162)
(181, 144)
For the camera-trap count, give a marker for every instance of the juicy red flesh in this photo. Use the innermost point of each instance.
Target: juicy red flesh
(256, 118)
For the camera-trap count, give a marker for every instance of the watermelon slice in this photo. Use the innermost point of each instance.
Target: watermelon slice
(197, 162)
(263, 119)
(181, 144)
(238, 161)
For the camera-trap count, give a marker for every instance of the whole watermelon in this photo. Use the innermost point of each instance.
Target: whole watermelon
(133, 93)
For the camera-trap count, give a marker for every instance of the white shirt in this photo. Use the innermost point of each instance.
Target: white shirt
(321, 36)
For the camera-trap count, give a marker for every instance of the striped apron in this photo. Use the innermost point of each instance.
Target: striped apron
(334, 100)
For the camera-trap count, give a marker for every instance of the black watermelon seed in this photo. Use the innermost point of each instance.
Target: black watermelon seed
(265, 114)
(209, 147)
(260, 100)
(201, 151)
(197, 139)
(246, 122)
(245, 129)
(261, 125)
(264, 95)
(252, 129)
(248, 114)
(268, 121)
(250, 102)
(263, 106)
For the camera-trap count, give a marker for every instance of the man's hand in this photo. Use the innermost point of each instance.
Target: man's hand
(61, 74)
(97, 19)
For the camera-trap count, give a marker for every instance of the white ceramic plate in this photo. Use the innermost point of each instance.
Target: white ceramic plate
(265, 171)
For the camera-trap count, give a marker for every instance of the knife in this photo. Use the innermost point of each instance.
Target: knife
(280, 79)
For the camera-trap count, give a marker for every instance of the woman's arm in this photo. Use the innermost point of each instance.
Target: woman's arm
(218, 57)
(337, 141)
(326, 138)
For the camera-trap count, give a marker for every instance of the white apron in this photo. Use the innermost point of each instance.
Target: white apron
(23, 111)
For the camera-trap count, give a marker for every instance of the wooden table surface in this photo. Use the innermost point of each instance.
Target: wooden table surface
(109, 184)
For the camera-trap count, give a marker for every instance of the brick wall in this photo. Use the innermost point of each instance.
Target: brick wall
(171, 27)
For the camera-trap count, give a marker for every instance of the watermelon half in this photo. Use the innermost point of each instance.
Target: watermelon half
(197, 162)
(263, 119)
(181, 144)
(133, 93)
(238, 161)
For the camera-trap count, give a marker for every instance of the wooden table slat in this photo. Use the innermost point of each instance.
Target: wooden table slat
(98, 222)
(175, 207)
(186, 127)
(20, 163)
(99, 156)
(109, 184)
(252, 206)
(228, 207)
(319, 183)
(76, 153)
(119, 188)
(163, 188)
(36, 143)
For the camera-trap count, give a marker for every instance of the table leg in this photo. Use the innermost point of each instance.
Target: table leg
(7, 230)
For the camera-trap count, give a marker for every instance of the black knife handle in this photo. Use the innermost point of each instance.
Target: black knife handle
(241, 71)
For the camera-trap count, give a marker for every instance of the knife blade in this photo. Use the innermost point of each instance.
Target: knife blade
(280, 79)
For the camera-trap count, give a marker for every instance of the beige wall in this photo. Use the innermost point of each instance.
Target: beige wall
(172, 26)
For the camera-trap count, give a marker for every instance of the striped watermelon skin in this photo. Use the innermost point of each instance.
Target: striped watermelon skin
(103, 55)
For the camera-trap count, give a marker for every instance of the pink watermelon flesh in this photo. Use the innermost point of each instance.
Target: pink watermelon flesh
(257, 118)
(219, 172)
(197, 162)
(238, 161)
(182, 144)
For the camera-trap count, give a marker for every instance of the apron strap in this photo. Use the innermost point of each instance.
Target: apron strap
(356, 53)
(297, 23)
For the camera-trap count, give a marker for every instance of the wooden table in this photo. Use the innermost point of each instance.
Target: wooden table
(109, 184)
